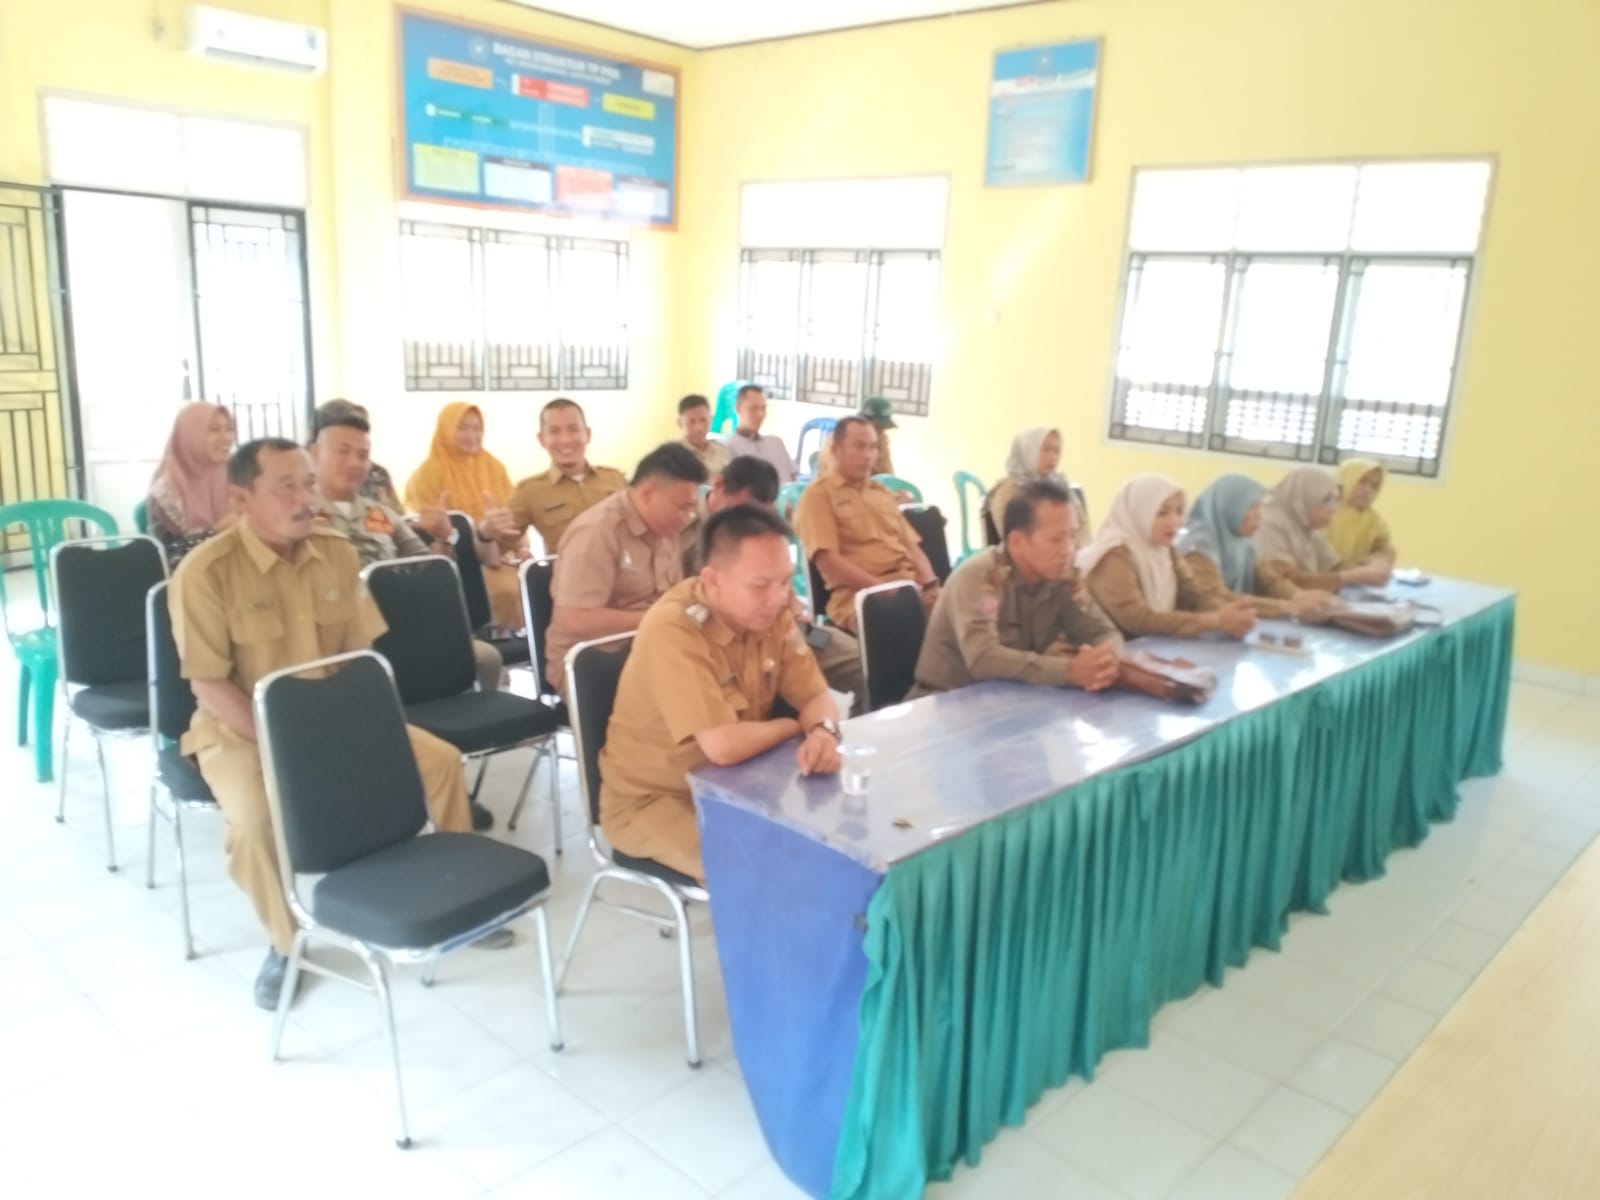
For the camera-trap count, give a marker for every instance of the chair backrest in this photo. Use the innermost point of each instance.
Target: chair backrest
(895, 484)
(823, 427)
(470, 569)
(789, 499)
(725, 414)
(100, 586)
(1083, 503)
(889, 628)
(340, 773)
(141, 516)
(537, 609)
(428, 644)
(593, 671)
(929, 523)
(48, 523)
(172, 701)
(966, 482)
(821, 593)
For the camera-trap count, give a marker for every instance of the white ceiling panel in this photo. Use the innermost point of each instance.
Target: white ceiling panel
(704, 24)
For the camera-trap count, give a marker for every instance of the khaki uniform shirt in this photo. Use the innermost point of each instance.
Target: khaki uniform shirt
(713, 457)
(1208, 581)
(609, 559)
(863, 523)
(689, 672)
(377, 532)
(552, 501)
(240, 612)
(990, 624)
(885, 459)
(1115, 585)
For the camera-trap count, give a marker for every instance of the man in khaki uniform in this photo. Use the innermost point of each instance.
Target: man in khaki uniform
(853, 529)
(270, 592)
(694, 422)
(622, 555)
(552, 501)
(1012, 611)
(751, 481)
(711, 660)
(341, 454)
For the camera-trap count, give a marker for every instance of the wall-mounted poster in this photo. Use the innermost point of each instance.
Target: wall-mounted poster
(492, 118)
(1041, 114)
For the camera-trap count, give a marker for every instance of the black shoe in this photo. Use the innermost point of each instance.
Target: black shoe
(269, 982)
(482, 818)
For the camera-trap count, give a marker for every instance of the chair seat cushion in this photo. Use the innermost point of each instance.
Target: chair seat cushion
(477, 721)
(36, 645)
(181, 777)
(649, 866)
(429, 889)
(123, 705)
(513, 648)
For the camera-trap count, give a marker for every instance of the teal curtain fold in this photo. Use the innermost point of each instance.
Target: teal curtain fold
(1004, 960)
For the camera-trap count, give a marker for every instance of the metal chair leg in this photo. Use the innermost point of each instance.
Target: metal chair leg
(577, 930)
(61, 766)
(552, 1012)
(105, 797)
(555, 793)
(380, 981)
(427, 972)
(477, 784)
(291, 980)
(183, 878)
(522, 794)
(150, 841)
(691, 1024)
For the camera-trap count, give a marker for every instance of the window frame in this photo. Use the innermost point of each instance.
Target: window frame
(1333, 402)
(554, 362)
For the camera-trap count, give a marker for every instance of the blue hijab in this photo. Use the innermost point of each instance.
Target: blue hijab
(1213, 530)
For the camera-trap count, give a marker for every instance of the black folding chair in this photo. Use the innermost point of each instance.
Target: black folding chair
(930, 525)
(347, 804)
(512, 643)
(172, 706)
(821, 593)
(890, 625)
(429, 647)
(593, 671)
(100, 586)
(535, 576)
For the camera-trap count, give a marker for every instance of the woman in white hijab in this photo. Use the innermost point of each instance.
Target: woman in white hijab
(1292, 552)
(1135, 575)
(1035, 456)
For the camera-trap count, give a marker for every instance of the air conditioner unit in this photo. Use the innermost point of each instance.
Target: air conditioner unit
(224, 36)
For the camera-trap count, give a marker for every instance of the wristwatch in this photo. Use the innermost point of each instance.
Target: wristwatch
(455, 536)
(829, 726)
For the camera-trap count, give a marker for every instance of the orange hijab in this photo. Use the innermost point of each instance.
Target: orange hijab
(467, 477)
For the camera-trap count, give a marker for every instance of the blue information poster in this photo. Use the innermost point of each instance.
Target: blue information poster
(1041, 114)
(491, 118)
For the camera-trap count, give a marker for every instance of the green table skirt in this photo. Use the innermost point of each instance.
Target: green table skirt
(1009, 958)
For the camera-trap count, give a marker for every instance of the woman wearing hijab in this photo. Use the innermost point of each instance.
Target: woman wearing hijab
(1215, 546)
(1133, 571)
(1357, 533)
(188, 499)
(460, 474)
(1035, 456)
(1292, 552)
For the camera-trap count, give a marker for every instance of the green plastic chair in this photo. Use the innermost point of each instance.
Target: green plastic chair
(966, 482)
(725, 415)
(895, 484)
(46, 525)
(788, 499)
(141, 516)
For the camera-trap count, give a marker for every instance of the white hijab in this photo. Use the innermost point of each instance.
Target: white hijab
(1286, 534)
(1133, 514)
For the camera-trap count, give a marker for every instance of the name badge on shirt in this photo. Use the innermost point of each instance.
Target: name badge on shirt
(378, 521)
(627, 560)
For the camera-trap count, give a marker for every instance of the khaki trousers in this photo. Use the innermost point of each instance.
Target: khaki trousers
(661, 827)
(231, 767)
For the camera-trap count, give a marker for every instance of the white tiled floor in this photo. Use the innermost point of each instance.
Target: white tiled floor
(120, 1060)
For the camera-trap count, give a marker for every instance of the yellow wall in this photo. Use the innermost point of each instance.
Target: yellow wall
(1031, 275)
(110, 49)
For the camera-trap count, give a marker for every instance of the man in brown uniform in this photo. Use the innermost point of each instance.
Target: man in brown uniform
(268, 593)
(552, 501)
(881, 413)
(852, 527)
(1011, 611)
(694, 422)
(711, 660)
(622, 555)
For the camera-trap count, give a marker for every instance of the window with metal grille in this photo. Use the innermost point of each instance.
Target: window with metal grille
(837, 326)
(1306, 313)
(498, 310)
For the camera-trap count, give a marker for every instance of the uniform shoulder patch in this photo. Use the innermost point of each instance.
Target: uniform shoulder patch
(698, 613)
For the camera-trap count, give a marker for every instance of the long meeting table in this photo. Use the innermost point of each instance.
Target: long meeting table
(1035, 872)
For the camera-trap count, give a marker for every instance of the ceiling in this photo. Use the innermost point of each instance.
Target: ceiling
(704, 24)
